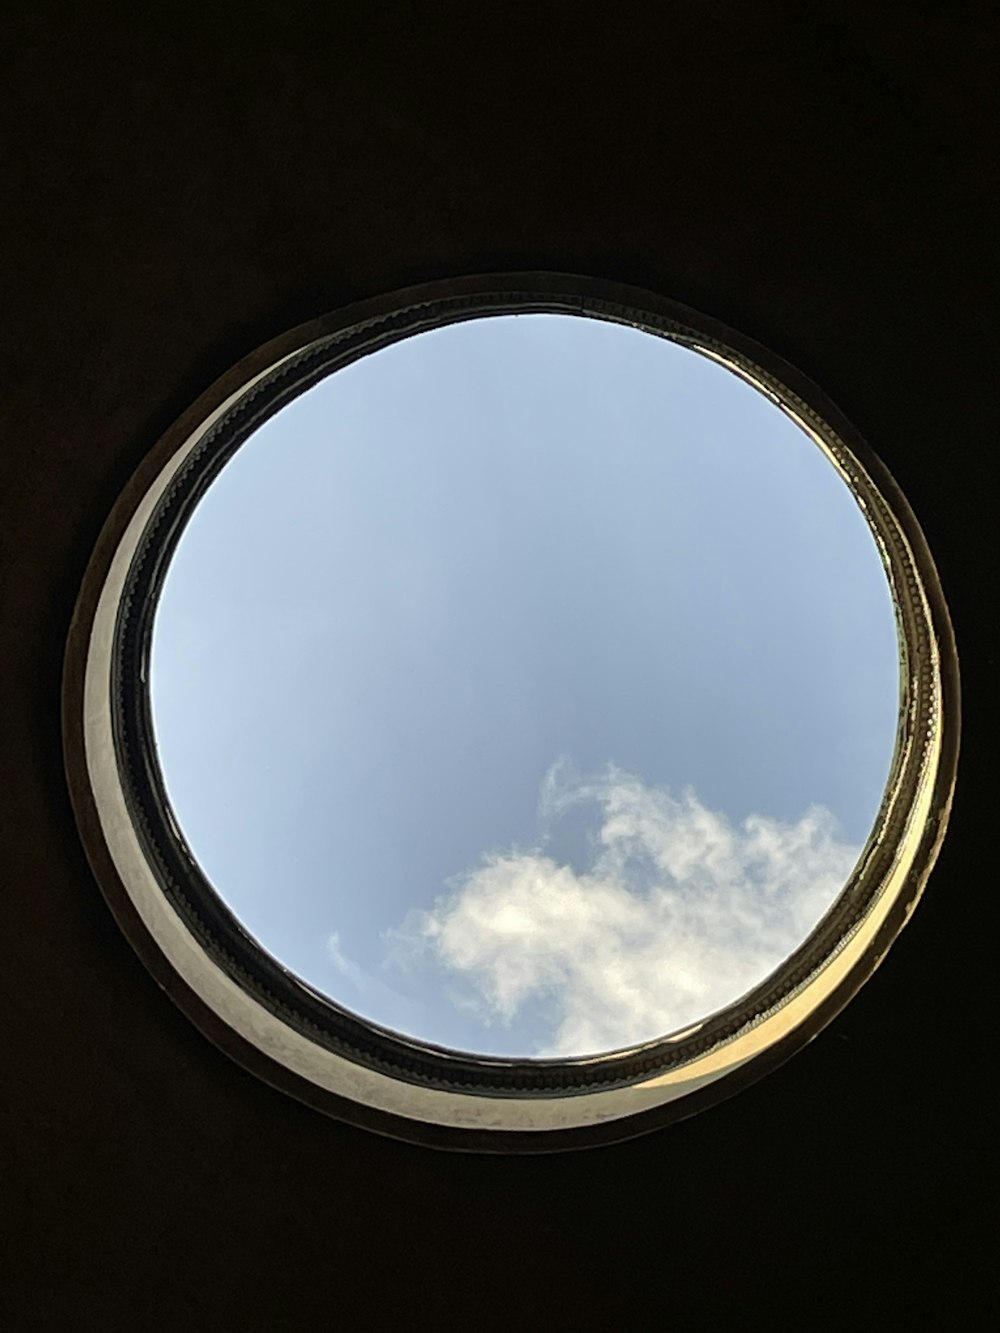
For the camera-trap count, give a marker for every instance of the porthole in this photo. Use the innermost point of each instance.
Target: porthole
(511, 714)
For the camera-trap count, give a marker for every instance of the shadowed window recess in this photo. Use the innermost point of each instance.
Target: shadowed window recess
(515, 708)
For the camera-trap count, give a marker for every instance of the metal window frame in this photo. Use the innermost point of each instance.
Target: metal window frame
(289, 1033)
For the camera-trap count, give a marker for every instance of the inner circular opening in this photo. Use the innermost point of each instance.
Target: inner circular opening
(528, 687)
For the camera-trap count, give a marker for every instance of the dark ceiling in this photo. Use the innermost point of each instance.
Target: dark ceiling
(184, 183)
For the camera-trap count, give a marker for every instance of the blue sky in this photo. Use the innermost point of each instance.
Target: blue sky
(474, 664)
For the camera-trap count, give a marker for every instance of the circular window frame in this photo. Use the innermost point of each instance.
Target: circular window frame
(294, 1037)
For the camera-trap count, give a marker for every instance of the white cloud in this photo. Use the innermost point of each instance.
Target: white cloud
(381, 1002)
(679, 913)
(347, 967)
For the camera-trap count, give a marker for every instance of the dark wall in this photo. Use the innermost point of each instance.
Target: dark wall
(185, 183)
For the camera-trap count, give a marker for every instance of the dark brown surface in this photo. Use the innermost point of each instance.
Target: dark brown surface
(822, 177)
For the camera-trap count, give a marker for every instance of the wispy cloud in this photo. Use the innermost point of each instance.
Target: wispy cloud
(347, 967)
(678, 914)
(380, 1002)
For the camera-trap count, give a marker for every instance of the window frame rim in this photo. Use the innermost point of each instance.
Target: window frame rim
(928, 713)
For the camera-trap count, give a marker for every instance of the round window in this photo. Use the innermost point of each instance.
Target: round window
(513, 712)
